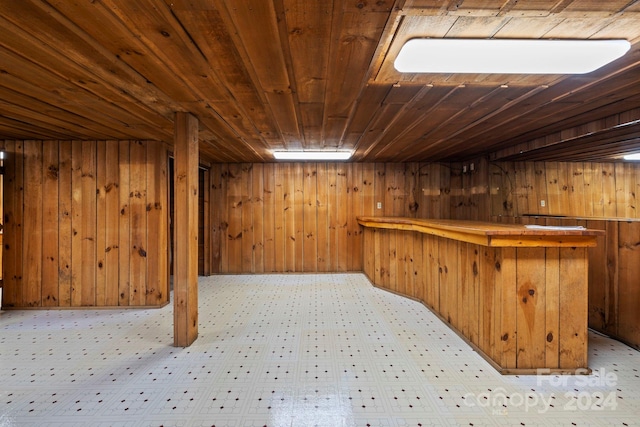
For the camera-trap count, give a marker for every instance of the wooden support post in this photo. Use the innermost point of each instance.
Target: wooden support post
(185, 268)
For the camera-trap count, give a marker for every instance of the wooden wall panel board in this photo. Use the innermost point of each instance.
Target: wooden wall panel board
(246, 217)
(269, 226)
(12, 223)
(298, 212)
(289, 218)
(206, 221)
(124, 233)
(32, 249)
(217, 232)
(474, 306)
(157, 273)
(509, 288)
(628, 290)
(279, 209)
(598, 276)
(530, 310)
(65, 227)
(163, 190)
(342, 220)
(101, 223)
(391, 268)
(449, 281)
(487, 300)
(50, 231)
(234, 233)
(310, 215)
(612, 296)
(88, 224)
(257, 206)
(575, 174)
(386, 263)
(400, 266)
(323, 240)
(225, 216)
(432, 273)
(332, 205)
(465, 276)
(378, 254)
(355, 186)
(590, 190)
(419, 268)
(552, 307)
(368, 266)
(573, 308)
(369, 188)
(76, 224)
(620, 190)
(138, 223)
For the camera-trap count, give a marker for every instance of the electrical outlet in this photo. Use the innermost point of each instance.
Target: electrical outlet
(543, 203)
(379, 205)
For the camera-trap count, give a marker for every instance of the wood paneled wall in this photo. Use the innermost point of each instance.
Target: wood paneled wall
(85, 224)
(578, 189)
(603, 195)
(301, 217)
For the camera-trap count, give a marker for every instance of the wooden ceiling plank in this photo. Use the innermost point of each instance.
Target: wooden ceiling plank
(368, 105)
(354, 40)
(67, 45)
(72, 81)
(77, 103)
(512, 98)
(13, 129)
(171, 46)
(419, 113)
(245, 103)
(46, 120)
(262, 42)
(309, 28)
(482, 104)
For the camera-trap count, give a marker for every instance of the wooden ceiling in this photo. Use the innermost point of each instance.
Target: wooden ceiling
(306, 74)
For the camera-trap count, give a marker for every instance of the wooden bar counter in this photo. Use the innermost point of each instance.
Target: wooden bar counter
(517, 294)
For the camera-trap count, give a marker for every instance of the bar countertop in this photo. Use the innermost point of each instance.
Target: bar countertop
(490, 233)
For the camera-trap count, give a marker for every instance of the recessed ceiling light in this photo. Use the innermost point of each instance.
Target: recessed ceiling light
(312, 155)
(507, 56)
(635, 156)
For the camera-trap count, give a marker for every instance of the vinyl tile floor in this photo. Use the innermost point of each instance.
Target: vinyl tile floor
(289, 350)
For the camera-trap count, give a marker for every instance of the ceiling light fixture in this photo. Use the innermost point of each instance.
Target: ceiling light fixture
(312, 155)
(507, 56)
(634, 156)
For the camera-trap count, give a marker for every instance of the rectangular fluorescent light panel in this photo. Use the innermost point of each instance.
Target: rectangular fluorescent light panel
(312, 155)
(635, 156)
(507, 56)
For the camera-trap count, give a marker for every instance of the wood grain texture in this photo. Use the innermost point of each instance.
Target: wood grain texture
(185, 316)
(496, 298)
(79, 216)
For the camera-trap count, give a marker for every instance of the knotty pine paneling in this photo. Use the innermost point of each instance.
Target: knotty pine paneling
(574, 189)
(614, 295)
(85, 224)
(596, 195)
(301, 217)
(499, 299)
